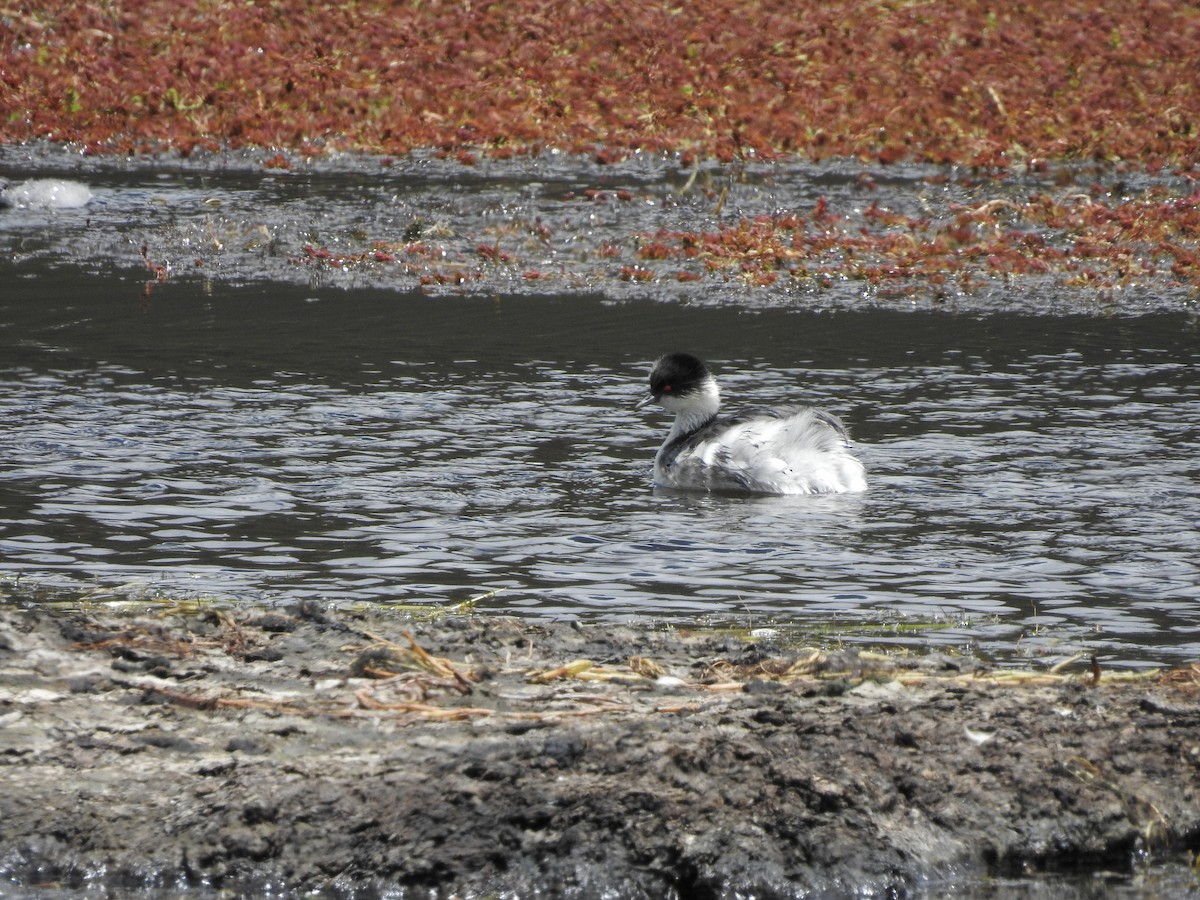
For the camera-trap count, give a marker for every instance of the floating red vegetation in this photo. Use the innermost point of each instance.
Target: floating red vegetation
(493, 253)
(278, 161)
(878, 81)
(971, 83)
(635, 273)
(1071, 237)
(1075, 238)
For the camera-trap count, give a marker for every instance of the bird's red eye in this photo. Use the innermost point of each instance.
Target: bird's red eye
(666, 387)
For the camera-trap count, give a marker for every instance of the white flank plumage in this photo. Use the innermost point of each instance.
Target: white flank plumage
(789, 450)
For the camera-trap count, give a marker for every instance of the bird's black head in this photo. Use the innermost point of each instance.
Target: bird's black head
(677, 375)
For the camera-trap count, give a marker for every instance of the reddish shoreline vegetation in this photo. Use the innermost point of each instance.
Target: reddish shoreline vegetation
(1077, 239)
(965, 83)
(1086, 120)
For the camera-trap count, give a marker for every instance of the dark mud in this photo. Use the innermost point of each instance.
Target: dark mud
(335, 753)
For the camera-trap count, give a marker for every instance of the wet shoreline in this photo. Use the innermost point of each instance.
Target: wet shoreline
(370, 754)
(791, 234)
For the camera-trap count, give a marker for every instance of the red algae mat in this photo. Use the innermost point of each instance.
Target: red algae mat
(1041, 144)
(965, 83)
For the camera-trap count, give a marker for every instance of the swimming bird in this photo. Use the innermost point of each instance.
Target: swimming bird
(787, 450)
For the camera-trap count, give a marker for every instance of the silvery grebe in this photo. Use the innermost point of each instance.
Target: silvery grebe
(787, 450)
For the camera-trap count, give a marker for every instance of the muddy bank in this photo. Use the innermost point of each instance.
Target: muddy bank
(368, 754)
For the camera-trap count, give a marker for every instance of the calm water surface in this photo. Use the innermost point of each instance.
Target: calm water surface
(1035, 481)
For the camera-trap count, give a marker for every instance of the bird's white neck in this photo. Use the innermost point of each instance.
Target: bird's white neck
(693, 410)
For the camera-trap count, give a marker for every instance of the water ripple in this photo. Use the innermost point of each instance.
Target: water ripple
(1024, 497)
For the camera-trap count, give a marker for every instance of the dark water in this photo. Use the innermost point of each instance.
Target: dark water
(1035, 482)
